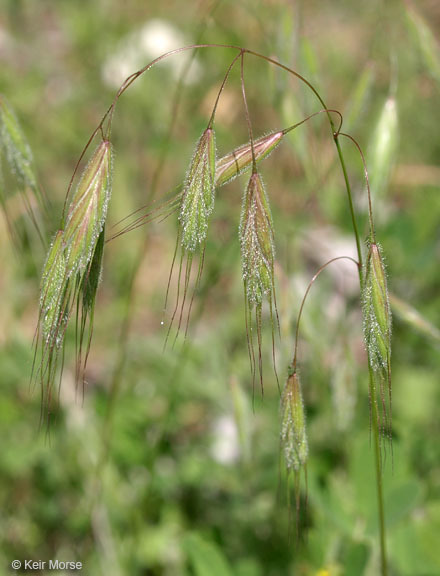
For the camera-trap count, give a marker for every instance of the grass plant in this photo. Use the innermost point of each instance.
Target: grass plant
(73, 266)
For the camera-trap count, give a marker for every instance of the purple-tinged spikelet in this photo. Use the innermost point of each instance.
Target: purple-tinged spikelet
(88, 210)
(72, 271)
(239, 160)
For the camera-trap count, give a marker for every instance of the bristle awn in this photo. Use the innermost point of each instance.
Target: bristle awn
(78, 339)
(177, 194)
(273, 344)
(176, 307)
(87, 293)
(160, 213)
(171, 270)
(188, 270)
(250, 344)
(196, 287)
(260, 358)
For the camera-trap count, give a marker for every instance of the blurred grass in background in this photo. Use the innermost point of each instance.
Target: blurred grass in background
(191, 482)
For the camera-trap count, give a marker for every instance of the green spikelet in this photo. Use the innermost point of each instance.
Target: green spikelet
(257, 262)
(377, 329)
(198, 193)
(257, 243)
(52, 292)
(377, 312)
(240, 160)
(293, 435)
(18, 161)
(17, 149)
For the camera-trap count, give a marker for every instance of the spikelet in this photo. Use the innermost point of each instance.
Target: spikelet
(17, 149)
(55, 298)
(239, 160)
(257, 243)
(198, 193)
(88, 210)
(17, 154)
(377, 329)
(257, 260)
(196, 206)
(52, 292)
(293, 435)
(72, 271)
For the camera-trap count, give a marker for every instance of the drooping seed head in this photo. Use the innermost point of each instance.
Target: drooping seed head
(257, 242)
(377, 312)
(198, 193)
(293, 425)
(88, 210)
(239, 160)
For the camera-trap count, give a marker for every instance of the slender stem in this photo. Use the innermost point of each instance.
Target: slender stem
(214, 110)
(350, 203)
(312, 281)
(378, 467)
(370, 208)
(248, 118)
(326, 110)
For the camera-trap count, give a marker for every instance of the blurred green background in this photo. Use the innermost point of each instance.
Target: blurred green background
(174, 470)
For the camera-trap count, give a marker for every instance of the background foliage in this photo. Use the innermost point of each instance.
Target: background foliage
(177, 473)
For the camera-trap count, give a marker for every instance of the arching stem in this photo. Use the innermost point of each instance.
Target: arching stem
(312, 281)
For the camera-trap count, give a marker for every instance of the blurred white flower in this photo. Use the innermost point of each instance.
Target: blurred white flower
(322, 244)
(225, 447)
(135, 51)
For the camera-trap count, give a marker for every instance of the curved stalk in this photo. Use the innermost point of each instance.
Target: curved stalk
(312, 281)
